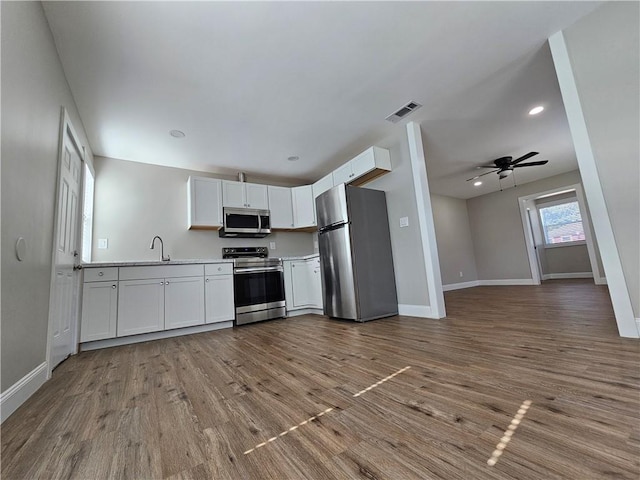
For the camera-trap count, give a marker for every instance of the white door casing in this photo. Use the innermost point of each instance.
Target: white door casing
(523, 202)
(64, 302)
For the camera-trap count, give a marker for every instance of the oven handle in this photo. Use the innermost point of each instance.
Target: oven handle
(257, 270)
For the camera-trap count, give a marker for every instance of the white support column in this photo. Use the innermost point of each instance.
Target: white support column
(425, 219)
(593, 189)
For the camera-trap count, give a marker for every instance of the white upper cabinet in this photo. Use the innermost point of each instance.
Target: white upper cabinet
(322, 185)
(244, 195)
(204, 198)
(304, 211)
(343, 174)
(291, 208)
(257, 196)
(370, 164)
(281, 207)
(233, 194)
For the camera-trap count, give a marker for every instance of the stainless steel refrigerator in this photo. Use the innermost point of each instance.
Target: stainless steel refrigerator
(358, 282)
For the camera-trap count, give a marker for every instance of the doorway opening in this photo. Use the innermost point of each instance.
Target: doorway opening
(558, 236)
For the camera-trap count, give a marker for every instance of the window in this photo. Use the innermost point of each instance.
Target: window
(87, 214)
(562, 223)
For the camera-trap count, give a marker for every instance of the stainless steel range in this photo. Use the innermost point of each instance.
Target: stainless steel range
(258, 284)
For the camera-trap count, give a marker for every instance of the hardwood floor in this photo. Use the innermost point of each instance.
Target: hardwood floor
(189, 407)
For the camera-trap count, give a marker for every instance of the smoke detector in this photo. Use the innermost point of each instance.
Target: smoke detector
(403, 112)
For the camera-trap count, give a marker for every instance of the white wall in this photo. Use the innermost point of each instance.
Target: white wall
(604, 48)
(34, 89)
(408, 259)
(455, 244)
(136, 201)
(496, 228)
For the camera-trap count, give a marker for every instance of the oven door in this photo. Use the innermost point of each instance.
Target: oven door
(258, 288)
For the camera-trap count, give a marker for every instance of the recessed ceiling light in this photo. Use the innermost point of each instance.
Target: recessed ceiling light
(536, 110)
(293, 158)
(177, 134)
(477, 184)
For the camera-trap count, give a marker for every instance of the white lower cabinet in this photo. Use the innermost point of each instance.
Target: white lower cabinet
(219, 300)
(150, 299)
(315, 283)
(303, 288)
(140, 306)
(183, 302)
(300, 281)
(99, 311)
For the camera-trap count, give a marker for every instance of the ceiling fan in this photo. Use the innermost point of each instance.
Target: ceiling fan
(504, 166)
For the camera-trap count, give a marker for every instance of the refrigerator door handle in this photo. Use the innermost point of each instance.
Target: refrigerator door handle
(333, 226)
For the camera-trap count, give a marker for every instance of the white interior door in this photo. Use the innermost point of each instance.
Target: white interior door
(64, 304)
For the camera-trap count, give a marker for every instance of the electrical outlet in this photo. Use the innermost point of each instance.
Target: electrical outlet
(461, 275)
(272, 245)
(103, 243)
(404, 222)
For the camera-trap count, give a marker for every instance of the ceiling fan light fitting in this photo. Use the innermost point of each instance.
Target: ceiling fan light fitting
(505, 173)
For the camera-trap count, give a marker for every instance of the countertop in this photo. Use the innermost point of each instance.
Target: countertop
(148, 263)
(299, 257)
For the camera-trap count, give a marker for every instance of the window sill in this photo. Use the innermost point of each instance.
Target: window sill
(565, 244)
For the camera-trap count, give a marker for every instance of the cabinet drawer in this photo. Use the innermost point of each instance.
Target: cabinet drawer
(160, 271)
(100, 274)
(218, 269)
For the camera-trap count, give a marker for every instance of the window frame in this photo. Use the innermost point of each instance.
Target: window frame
(553, 203)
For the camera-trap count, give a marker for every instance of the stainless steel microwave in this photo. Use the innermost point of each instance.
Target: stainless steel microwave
(245, 223)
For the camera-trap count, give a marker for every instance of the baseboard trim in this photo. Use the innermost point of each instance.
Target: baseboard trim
(601, 281)
(19, 392)
(146, 337)
(421, 311)
(508, 281)
(561, 276)
(460, 286)
(304, 311)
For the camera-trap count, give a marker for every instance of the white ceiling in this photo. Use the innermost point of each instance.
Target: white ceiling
(254, 83)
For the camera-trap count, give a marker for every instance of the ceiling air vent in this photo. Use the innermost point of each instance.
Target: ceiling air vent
(403, 112)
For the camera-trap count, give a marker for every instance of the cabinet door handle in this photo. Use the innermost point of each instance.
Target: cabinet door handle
(113, 286)
(161, 283)
(166, 283)
(219, 269)
(207, 280)
(100, 274)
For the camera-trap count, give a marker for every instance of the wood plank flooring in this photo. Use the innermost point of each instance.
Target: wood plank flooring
(189, 407)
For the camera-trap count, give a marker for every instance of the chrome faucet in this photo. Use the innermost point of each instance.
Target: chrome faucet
(164, 259)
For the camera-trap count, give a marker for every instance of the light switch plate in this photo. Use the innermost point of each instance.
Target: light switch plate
(404, 222)
(103, 243)
(272, 245)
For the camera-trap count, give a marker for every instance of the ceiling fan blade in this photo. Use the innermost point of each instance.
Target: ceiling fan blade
(482, 175)
(524, 157)
(531, 164)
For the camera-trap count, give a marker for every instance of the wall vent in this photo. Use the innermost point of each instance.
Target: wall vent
(403, 112)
